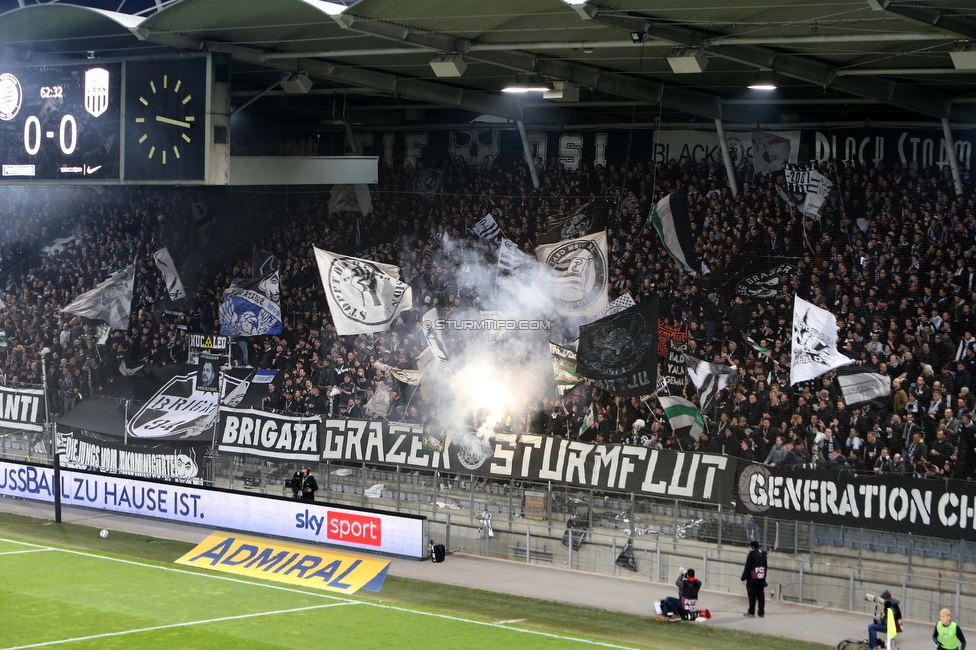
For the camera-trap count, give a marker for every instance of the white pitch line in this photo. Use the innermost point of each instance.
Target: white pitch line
(514, 620)
(549, 635)
(320, 595)
(174, 625)
(33, 550)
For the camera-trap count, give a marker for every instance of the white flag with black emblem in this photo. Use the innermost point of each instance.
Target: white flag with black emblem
(166, 266)
(364, 296)
(814, 342)
(487, 228)
(110, 301)
(577, 270)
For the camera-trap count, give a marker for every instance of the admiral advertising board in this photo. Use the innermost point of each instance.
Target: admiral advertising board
(898, 504)
(367, 530)
(525, 457)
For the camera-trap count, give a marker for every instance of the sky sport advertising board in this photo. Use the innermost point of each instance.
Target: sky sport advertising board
(363, 530)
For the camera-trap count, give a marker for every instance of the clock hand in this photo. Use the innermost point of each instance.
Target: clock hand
(166, 120)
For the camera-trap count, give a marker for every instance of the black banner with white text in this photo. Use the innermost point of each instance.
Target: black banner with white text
(900, 504)
(524, 457)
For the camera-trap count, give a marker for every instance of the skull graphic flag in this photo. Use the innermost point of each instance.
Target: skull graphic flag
(364, 296)
(618, 353)
(814, 342)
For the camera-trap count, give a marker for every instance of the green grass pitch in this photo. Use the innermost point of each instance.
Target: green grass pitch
(63, 586)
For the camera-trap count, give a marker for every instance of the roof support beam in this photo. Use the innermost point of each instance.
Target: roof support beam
(692, 102)
(886, 91)
(418, 89)
(958, 27)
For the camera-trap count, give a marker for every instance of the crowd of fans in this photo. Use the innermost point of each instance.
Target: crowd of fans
(893, 257)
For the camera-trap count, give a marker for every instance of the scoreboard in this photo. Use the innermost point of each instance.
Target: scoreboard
(138, 121)
(60, 122)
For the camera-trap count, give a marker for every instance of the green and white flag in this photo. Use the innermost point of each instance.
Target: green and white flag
(682, 415)
(588, 420)
(3, 338)
(670, 219)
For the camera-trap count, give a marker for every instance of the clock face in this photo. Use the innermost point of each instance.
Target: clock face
(165, 120)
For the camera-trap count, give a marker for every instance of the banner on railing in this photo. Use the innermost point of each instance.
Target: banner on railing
(269, 435)
(524, 457)
(899, 504)
(176, 462)
(22, 408)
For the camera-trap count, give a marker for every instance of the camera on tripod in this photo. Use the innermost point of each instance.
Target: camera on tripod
(295, 484)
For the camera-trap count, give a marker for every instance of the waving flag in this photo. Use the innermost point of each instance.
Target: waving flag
(709, 378)
(110, 301)
(577, 274)
(585, 220)
(166, 266)
(364, 297)
(670, 219)
(486, 228)
(814, 342)
(252, 307)
(682, 415)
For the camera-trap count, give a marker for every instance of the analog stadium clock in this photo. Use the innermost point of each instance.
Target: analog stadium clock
(166, 120)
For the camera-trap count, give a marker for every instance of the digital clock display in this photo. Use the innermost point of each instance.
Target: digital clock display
(60, 122)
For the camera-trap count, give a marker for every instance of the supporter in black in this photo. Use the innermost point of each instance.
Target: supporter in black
(884, 464)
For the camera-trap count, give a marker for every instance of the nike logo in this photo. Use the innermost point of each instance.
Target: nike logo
(92, 170)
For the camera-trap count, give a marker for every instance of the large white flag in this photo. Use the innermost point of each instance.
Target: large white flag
(110, 301)
(164, 262)
(364, 296)
(577, 271)
(814, 342)
(350, 198)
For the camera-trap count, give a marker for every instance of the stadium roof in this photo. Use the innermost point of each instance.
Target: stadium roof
(831, 59)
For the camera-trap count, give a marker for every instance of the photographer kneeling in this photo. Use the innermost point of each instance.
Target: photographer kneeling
(676, 608)
(880, 624)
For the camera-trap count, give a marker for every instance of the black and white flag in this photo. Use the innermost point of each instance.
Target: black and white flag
(675, 369)
(673, 225)
(510, 257)
(262, 263)
(618, 353)
(771, 151)
(110, 301)
(350, 198)
(577, 274)
(625, 301)
(164, 262)
(486, 228)
(859, 385)
(364, 297)
(585, 220)
(709, 378)
(814, 342)
(805, 189)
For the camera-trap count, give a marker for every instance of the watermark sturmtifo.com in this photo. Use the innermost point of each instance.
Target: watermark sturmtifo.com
(488, 324)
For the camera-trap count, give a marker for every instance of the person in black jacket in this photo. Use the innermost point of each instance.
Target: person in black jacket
(688, 587)
(308, 486)
(754, 577)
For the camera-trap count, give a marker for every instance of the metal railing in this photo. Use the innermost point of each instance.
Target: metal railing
(585, 530)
